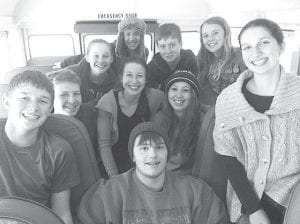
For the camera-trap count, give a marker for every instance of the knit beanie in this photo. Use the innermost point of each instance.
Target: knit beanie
(183, 76)
(146, 127)
(127, 23)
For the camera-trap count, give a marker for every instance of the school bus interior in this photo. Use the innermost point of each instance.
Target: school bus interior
(40, 33)
(36, 34)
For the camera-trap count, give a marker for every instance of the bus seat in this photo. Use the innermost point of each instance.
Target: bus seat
(206, 165)
(24, 211)
(76, 134)
(292, 213)
(3, 112)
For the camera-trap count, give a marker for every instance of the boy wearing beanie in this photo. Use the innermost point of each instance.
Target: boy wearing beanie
(149, 194)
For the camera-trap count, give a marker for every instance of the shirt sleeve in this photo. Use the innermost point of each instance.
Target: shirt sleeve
(105, 142)
(240, 183)
(152, 81)
(66, 173)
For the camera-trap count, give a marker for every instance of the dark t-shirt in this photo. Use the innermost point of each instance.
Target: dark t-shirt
(35, 172)
(126, 124)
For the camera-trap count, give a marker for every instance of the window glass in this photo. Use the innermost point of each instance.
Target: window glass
(191, 40)
(4, 55)
(51, 45)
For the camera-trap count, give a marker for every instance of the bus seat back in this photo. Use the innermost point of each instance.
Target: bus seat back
(206, 165)
(76, 134)
(292, 213)
(25, 211)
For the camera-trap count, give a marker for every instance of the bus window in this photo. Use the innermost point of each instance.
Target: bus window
(4, 55)
(191, 40)
(51, 45)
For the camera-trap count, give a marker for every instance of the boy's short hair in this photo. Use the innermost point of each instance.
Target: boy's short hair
(35, 78)
(65, 75)
(168, 30)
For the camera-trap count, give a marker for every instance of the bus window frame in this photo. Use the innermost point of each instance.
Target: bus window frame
(48, 34)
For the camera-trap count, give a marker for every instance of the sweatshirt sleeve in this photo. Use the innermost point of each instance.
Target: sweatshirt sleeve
(91, 208)
(240, 183)
(152, 81)
(104, 127)
(208, 207)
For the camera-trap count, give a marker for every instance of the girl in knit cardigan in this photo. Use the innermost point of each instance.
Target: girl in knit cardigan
(121, 110)
(257, 129)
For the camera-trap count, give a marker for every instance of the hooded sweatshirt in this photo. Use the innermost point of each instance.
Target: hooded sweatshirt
(159, 70)
(91, 91)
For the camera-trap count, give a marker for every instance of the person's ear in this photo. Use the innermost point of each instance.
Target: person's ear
(282, 48)
(5, 102)
(87, 58)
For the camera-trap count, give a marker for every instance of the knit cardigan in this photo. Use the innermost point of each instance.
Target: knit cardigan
(267, 144)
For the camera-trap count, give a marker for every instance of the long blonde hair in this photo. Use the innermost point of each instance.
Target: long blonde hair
(206, 60)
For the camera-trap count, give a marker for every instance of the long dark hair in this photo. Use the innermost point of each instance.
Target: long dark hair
(183, 132)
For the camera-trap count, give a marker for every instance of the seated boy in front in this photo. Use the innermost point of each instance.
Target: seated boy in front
(147, 194)
(35, 164)
(171, 56)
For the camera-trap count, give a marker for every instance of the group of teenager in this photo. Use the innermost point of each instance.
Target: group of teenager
(144, 119)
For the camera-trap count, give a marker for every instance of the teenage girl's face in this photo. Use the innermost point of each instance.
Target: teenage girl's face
(150, 158)
(132, 38)
(133, 78)
(67, 99)
(169, 49)
(213, 37)
(260, 50)
(28, 107)
(179, 96)
(100, 58)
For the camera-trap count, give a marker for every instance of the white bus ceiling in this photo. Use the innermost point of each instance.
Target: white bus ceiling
(21, 18)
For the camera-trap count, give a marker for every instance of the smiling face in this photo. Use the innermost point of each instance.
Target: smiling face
(132, 38)
(100, 58)
(133, 78)
(179, 97)
(67, 98)
(169, 49)
(28, 107)
(213, 37)
(260, 50)
(150, 157)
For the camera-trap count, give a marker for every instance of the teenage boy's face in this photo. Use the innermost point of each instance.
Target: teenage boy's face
(99, 58)
(169, 49)
(67, 98)
(150, 158)
(28, 107)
